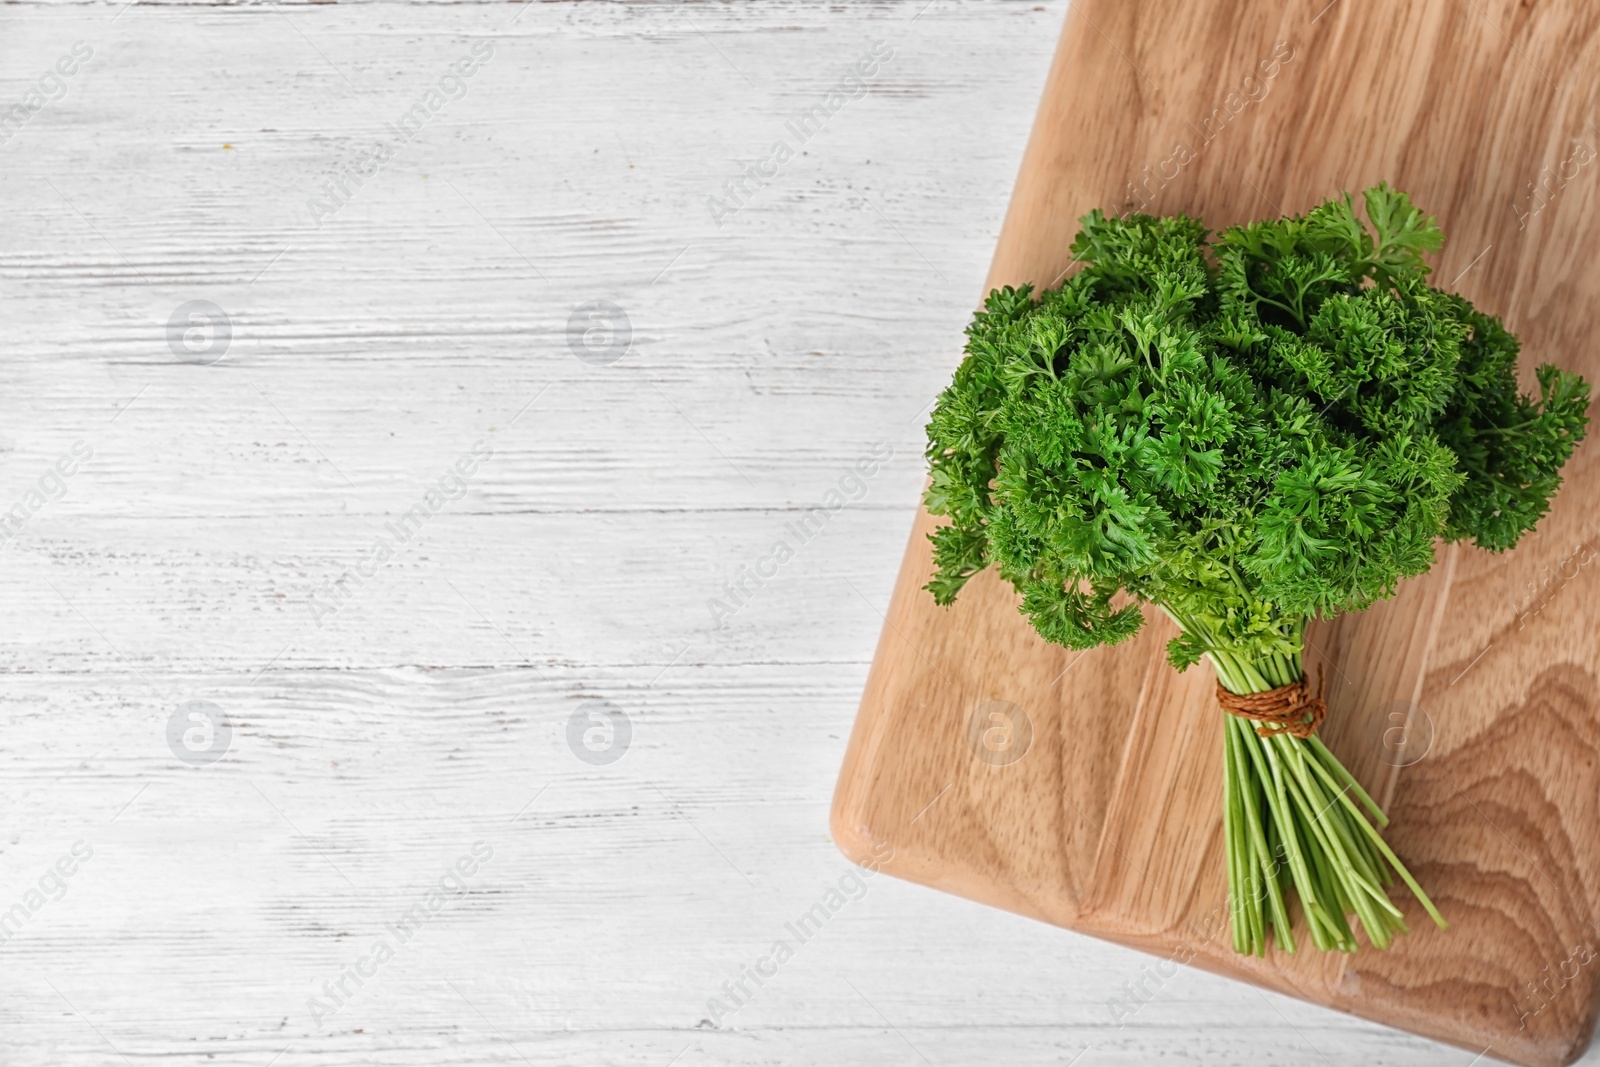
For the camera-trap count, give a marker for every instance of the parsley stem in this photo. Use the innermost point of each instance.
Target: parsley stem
(1296, 819)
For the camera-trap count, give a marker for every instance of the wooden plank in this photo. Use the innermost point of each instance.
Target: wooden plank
(407, 726)
(1110, 822)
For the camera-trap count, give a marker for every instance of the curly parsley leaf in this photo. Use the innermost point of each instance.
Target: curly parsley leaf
(1248, 432)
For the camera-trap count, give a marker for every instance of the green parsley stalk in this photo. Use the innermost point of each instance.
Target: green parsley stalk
(1248, 433)
(1293, 816)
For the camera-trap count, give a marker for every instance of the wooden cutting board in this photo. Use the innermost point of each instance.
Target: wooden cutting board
(1085, 789)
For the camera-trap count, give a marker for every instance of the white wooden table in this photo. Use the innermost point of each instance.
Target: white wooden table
(365, 740)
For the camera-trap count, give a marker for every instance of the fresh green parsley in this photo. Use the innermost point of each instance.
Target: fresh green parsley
(1247, 432)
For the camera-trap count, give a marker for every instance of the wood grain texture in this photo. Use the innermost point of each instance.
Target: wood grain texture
(432, 709)
(1110, 823)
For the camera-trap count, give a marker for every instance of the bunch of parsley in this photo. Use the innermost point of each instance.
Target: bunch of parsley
(1247, 433)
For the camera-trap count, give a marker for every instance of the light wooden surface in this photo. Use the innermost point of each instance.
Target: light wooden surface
(1109, 821)
(431, 712)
